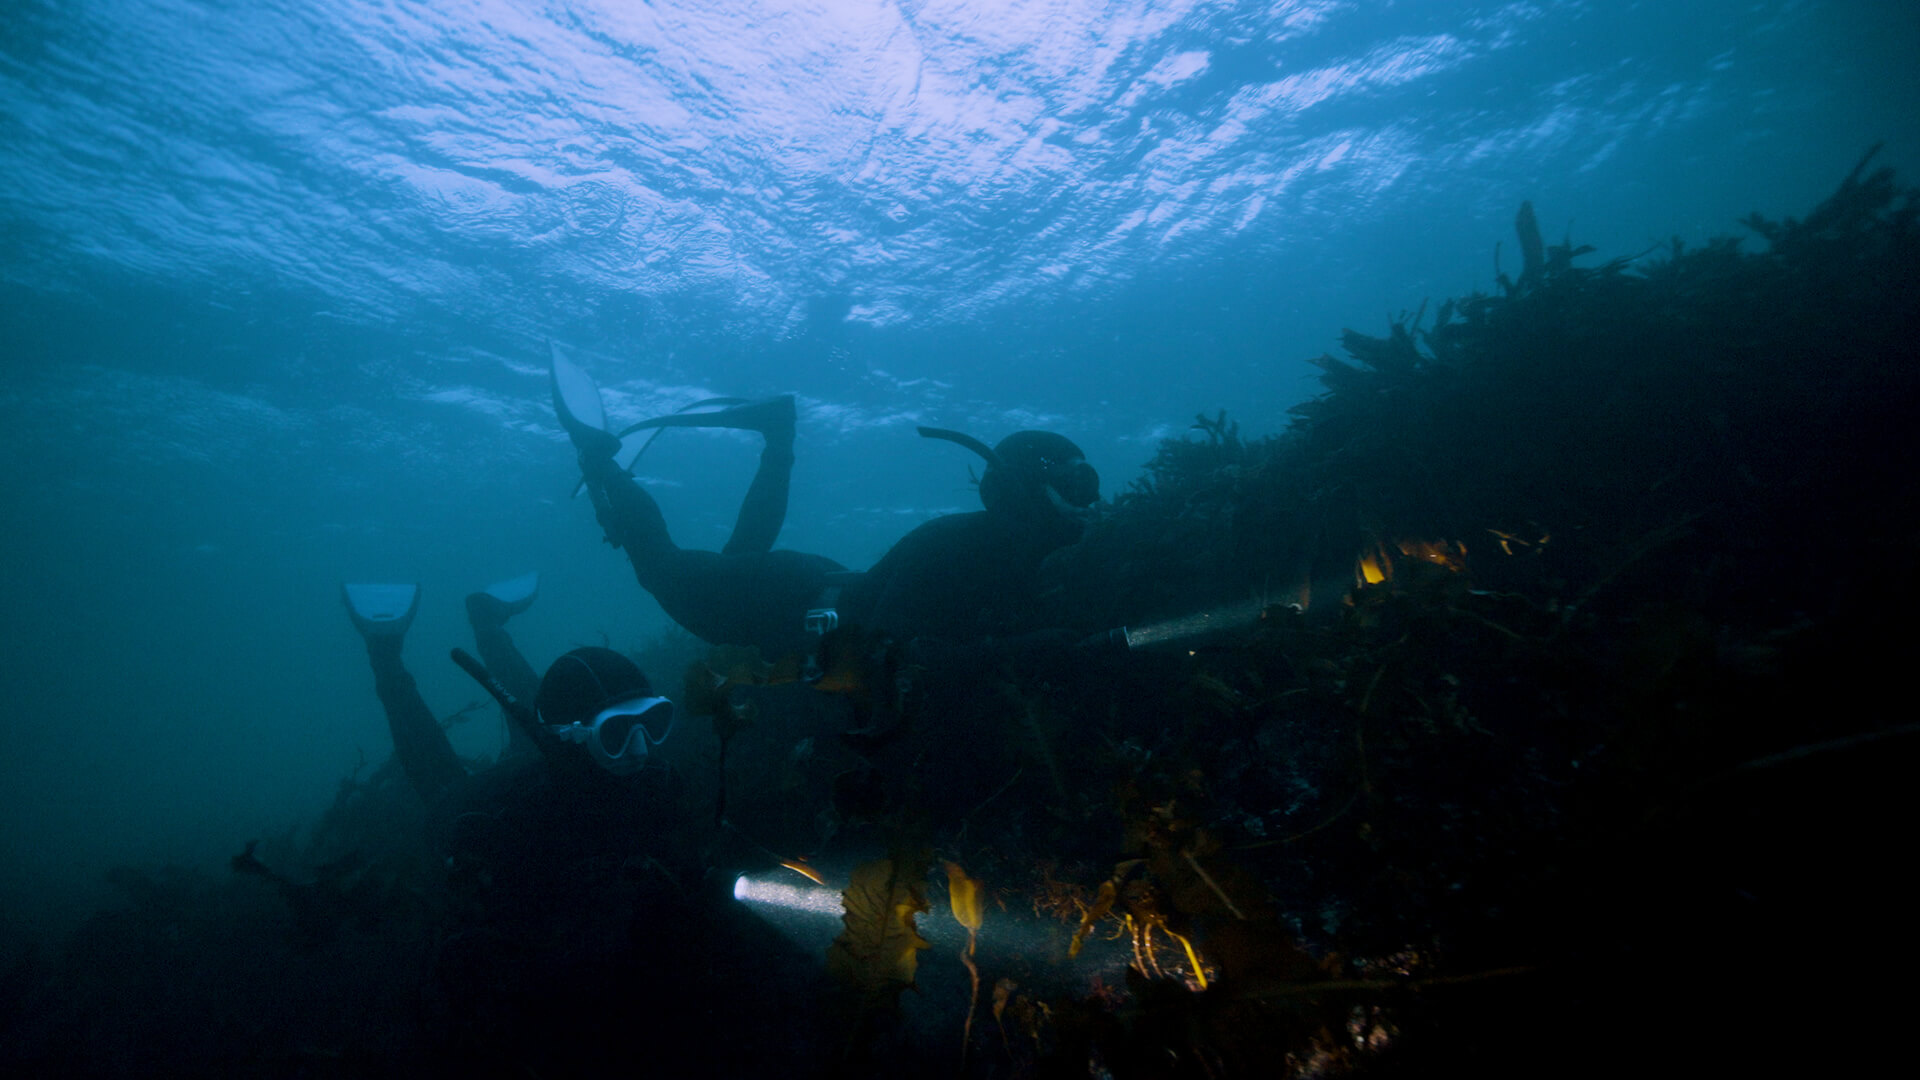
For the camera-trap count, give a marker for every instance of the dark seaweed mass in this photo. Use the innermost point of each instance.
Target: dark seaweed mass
(1549, 719)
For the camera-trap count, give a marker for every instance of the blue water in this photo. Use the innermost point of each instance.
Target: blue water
(276, 279)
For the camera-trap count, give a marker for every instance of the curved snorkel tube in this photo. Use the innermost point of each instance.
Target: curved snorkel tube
(551, 746)
(986, 452)
(516, 710)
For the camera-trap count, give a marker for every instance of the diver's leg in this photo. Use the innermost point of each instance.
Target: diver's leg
(487, 612)
(631, 519)
(764, 510)
(424, 752)
(712, 595)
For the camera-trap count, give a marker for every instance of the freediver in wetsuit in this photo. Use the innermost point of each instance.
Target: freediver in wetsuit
(563, 867)
(959, 578)
(593, 706)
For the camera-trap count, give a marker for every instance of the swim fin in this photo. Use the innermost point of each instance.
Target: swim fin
(381, 610)
(503, 600)
(576, 400)
(516, 593)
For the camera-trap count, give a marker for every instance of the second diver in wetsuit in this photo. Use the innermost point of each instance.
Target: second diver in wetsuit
(594, 707)
(577, 896)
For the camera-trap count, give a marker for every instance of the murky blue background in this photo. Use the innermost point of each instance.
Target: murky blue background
(275, 280)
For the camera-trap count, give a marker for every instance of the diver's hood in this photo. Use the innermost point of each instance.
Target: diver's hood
(1030, 467)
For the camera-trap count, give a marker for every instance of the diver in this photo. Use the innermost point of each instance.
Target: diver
(593, 705)
(562, 867)
(960, 578)
(593, 721)
(943, 625)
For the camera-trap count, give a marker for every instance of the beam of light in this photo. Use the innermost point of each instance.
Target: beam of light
(1225, 617)
(809, 916)
(811, 899)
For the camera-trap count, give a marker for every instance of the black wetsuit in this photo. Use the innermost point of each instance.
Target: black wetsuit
(575, 902)
(425, 755)
(503, 660)
(420, 746)
(959, 578)
(747, 593)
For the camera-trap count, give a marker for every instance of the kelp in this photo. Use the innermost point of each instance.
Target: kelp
(1525, 592)
(876, 956)
(1581, 564)
(963, 898)
(1594, 405)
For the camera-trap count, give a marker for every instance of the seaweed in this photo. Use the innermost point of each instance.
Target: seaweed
(1578, 565)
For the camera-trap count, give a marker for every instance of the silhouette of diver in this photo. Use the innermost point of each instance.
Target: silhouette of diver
(962, 578)
(562, 866)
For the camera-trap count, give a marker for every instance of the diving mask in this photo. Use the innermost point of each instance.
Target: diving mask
(620, 735)
(1073, 482)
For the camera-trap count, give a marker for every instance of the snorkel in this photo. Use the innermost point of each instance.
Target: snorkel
(550, 746)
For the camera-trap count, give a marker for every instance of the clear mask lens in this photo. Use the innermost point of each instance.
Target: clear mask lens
(620, 735)
(639, 723)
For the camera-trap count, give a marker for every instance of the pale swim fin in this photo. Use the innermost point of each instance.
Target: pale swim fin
(381, 610)
(744, 413)
(630, 452)
(516, 593)
(502, 600)
(576, 400)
